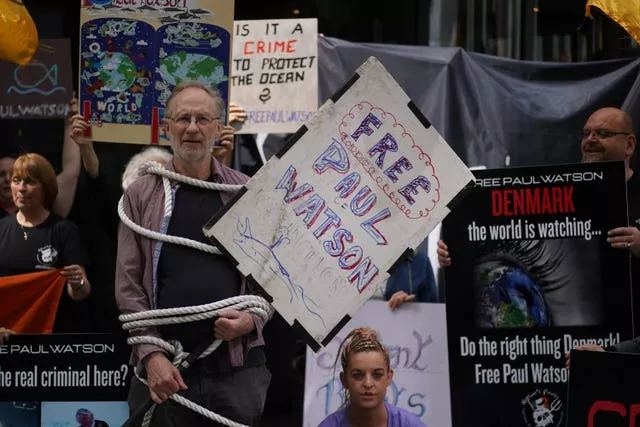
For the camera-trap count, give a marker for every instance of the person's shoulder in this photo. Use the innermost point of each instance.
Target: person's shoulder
(403, 417)
(334, 420)
(232, 176)
(60, 223)
(142, 186)
(8, 218)
(8, 221)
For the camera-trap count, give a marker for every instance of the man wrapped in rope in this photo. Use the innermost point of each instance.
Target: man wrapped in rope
(166, 270)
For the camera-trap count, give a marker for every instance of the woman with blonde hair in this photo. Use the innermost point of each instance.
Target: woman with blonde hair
(366, 374)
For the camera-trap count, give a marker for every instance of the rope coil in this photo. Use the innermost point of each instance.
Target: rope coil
(247, 303)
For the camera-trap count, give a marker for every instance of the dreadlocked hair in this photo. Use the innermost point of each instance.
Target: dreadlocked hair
(359, 340)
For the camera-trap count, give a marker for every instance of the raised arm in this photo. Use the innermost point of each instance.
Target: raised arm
(68, 177)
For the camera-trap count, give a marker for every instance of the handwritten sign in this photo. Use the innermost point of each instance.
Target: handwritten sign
(319, 227)
(416, 338)
(134, 52)
(40, 89)
(275, 73)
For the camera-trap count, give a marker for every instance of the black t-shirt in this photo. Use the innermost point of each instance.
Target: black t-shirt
(94, 211)
(188, 277)
(3, 213)
(633, 203)
(53, 244)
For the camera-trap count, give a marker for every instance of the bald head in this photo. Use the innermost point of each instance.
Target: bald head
(620, 118)
(609, 135)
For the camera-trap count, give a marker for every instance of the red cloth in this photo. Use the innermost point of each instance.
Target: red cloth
(29, 302)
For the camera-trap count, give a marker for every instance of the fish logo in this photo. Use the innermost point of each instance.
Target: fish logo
(34, 77)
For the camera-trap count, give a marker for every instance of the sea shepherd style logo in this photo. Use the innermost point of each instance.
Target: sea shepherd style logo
(542, 409)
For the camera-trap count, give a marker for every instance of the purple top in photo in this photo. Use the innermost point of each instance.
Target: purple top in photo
(397, 418)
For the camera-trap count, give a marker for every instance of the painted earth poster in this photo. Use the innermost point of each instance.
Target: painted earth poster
(134, 52)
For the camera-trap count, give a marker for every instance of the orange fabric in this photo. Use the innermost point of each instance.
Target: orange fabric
(29, 302)
(625, 12)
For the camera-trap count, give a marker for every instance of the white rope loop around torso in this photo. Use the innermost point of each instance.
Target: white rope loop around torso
(247, 303)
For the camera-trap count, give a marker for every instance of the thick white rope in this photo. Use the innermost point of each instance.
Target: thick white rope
(246, 303)
(157, 169)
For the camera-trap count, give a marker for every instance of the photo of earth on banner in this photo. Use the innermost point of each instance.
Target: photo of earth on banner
(116, 70)
(532, 276)
(191, 51)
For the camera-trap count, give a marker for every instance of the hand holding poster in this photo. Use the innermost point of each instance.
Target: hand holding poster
(133, 53)
(275, 73)
(532, 276)
(416, 338)
(319, 226)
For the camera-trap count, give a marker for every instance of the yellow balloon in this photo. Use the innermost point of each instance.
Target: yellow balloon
(18, 33)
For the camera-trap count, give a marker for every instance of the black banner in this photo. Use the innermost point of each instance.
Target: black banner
(41, 89)
(74, 367)
(532, 276)
(603, 389)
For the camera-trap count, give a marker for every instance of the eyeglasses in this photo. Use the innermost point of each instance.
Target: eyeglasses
(185, 120)
(601, 133)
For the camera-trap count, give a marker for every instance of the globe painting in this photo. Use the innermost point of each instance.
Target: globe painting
(181, 65)
(117, 71)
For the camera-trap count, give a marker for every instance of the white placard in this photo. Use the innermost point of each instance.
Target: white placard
(416, 338)
(318, 229)
(274, 73)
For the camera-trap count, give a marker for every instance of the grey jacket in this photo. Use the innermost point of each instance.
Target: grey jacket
(137, 259)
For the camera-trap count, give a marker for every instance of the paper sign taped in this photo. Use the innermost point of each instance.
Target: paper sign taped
(274, 74)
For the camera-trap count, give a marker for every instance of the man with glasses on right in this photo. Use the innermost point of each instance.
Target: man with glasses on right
(609, 135)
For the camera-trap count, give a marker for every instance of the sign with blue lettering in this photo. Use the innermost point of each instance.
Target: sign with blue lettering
(361, 183)
(416, 338)
(274, 75)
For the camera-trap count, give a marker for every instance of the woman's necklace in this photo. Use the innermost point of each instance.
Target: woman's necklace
(24, 232)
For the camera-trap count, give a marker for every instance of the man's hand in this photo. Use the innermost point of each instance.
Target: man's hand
(5, 334)
(73, 106)
(225, 150)
(625, 238)
(443, 254)
(585, 347)
(232, 324)
(78, 127)
(237, 114)
(400, 298)
(163, 378)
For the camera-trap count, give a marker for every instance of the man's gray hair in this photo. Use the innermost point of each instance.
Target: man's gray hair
(214, 93)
